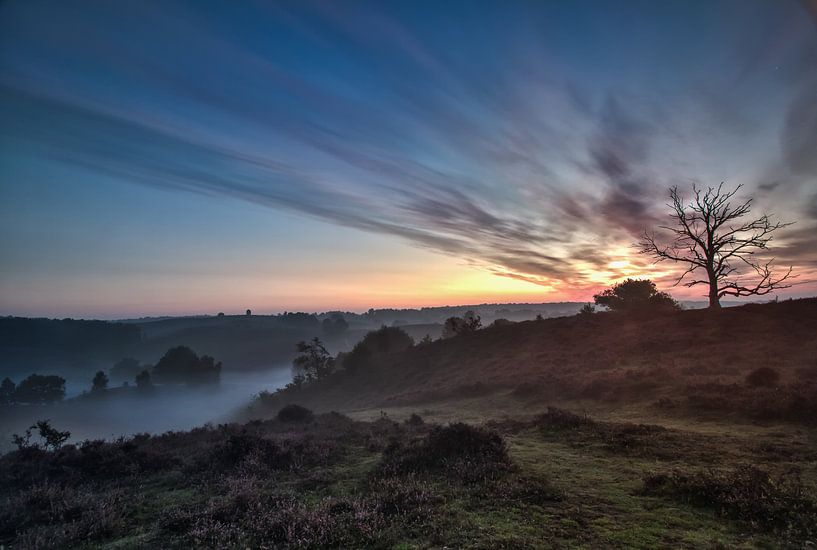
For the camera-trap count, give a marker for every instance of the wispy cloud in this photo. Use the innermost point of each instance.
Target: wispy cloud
(474, 145)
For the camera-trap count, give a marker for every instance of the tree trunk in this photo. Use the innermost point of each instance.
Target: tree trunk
(714, 300)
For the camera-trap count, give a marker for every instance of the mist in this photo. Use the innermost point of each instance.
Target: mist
(125, 413)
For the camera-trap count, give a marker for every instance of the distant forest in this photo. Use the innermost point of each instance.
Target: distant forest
(242, 342)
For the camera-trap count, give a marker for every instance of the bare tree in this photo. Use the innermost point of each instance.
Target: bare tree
(719, 248)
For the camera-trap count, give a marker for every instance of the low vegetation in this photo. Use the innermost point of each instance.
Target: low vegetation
(308, 480)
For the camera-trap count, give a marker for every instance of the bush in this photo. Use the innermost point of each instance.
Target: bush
(181, 365)
(463, 451)
(382, 341)
(746, 494)
(560, 419)
(295, 413)
(763, 376)
(635, 295)
(38, 388)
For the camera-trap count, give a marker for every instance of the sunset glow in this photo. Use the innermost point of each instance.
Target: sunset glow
(166, 159)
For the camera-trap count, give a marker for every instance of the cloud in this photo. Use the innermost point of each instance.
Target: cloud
(492, 149)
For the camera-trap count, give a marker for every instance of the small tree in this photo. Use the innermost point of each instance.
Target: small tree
(635, 295)
(454, 326)
(382, 341)
(143, 381)
(39, 388)
(587, 309)
(181, 365)
(718, 247)
(100, 382)
(52, 438)
(313, 360)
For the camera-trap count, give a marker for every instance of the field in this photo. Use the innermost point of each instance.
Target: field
(650, 447)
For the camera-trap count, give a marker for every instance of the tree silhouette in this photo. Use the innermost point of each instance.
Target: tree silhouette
(39, 388)
(100, 382)
(633, 295)
(143, 382)
(313, 360)
(719, 248)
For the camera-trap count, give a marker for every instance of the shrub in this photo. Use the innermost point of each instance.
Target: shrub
(747, 494)
(181, 365)
(463, 451)
(295, 413)
(635, 295)
(763, 376)
(382, 341)
(560, 419)
(52, 439)
(39, 388)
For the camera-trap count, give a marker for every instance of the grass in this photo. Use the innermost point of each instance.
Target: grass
(633, 464)
(570, 487)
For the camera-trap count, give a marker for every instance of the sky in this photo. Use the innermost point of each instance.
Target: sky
(177, 157)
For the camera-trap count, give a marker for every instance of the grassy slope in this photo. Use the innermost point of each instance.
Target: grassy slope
(596, 471)
(603, 356)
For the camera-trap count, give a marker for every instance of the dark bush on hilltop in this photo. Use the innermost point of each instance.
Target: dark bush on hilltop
(635, 295)
(295, 413)
(39, 388)
(746, 494)
(181, 365)
(466, 324)
(463, 451)
(374, 345)
(99, 382)
(763, 377)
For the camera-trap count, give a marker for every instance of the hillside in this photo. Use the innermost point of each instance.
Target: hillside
(604, 356)
(530, 469)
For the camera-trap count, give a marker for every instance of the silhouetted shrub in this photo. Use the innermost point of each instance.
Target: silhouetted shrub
(313, 362)
(635, 295)
(181, 365)
(747, 494)
(295, 413)
(382, 341)
(454, 326)
(51, 438)
(38, 388)
(763, 376)
(463, 451)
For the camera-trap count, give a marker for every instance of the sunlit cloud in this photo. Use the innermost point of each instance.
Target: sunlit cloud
(533, 164)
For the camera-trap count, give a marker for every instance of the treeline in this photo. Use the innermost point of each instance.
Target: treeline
(68, 335)
(179, 365)
(36, 389)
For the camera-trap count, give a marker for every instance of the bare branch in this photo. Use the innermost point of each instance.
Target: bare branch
(708, 234)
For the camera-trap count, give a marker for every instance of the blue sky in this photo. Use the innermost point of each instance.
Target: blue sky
(173, 157)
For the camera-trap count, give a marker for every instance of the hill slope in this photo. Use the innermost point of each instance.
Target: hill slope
(604, 356)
